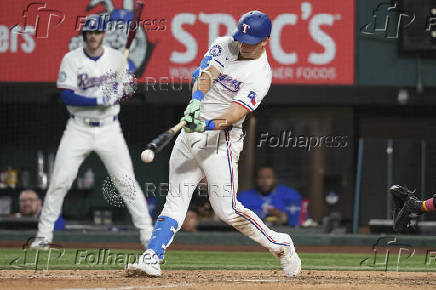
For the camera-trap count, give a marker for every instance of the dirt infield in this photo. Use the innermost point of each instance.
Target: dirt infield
(213, 279)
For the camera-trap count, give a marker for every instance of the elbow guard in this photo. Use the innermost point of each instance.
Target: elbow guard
(204, 65)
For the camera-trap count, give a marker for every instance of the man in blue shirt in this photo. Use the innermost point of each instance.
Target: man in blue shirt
(30, 206)
(271, 201)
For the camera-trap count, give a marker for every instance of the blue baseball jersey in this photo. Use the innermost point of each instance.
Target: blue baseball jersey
(284, 198)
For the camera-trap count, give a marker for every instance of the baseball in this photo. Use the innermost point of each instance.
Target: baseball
(147, 155)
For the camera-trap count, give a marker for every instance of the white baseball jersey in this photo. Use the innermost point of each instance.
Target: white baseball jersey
(245, 82)
(78, 72)
(84, 75)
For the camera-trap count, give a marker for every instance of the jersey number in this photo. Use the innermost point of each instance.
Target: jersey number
(252, 97)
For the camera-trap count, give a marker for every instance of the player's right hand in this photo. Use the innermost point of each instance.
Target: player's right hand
(193, 109)
(193, 124)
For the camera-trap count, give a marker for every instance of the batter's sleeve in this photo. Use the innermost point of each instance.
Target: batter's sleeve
(67, 78)
(252, 93)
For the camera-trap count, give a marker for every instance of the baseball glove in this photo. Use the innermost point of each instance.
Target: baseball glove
(405, 204)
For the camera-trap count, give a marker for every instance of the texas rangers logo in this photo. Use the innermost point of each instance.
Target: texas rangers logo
(215, 51)
(252, 97)
(246, 27)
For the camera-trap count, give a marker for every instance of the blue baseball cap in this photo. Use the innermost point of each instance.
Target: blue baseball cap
(253, 27)
(121, 14)
(95, 22)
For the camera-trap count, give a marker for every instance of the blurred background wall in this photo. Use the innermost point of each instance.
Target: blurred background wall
(383, 91)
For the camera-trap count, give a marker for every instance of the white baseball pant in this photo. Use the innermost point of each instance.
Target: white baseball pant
(215, 154)
(77, 142)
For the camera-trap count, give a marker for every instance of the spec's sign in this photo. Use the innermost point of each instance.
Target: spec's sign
(312, 41)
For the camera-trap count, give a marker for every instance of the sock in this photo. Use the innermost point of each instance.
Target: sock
(162, 235)
(428, 205)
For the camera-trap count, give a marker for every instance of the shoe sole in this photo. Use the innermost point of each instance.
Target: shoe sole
(134, 271)
(297, 273)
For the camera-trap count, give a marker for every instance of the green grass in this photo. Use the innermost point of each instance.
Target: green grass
(16, 258)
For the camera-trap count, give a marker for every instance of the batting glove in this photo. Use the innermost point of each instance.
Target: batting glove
(193, 109)
(193, 125)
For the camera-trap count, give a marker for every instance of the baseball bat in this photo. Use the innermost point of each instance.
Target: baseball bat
(133, 26)
(158, 143)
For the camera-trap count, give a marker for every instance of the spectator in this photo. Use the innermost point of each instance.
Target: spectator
(30, 205)
(191, 221)
(272, 201)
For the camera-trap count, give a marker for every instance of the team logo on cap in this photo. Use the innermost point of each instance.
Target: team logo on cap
(246, 27)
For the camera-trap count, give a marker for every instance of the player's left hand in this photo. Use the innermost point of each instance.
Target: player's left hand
(193, 124)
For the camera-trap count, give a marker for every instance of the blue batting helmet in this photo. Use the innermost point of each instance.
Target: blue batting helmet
(121, 14)
(95, 22)
(253, 27)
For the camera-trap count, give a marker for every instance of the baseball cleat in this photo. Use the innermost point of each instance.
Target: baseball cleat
(148, 264)
(40, 244)
(290, 262)
(289, 258)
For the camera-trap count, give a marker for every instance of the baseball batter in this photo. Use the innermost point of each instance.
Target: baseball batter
(231, 82)
(93, 126)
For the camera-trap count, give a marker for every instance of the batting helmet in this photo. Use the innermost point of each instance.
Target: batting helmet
(121, 14)
(253, 27)
(95, 22)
